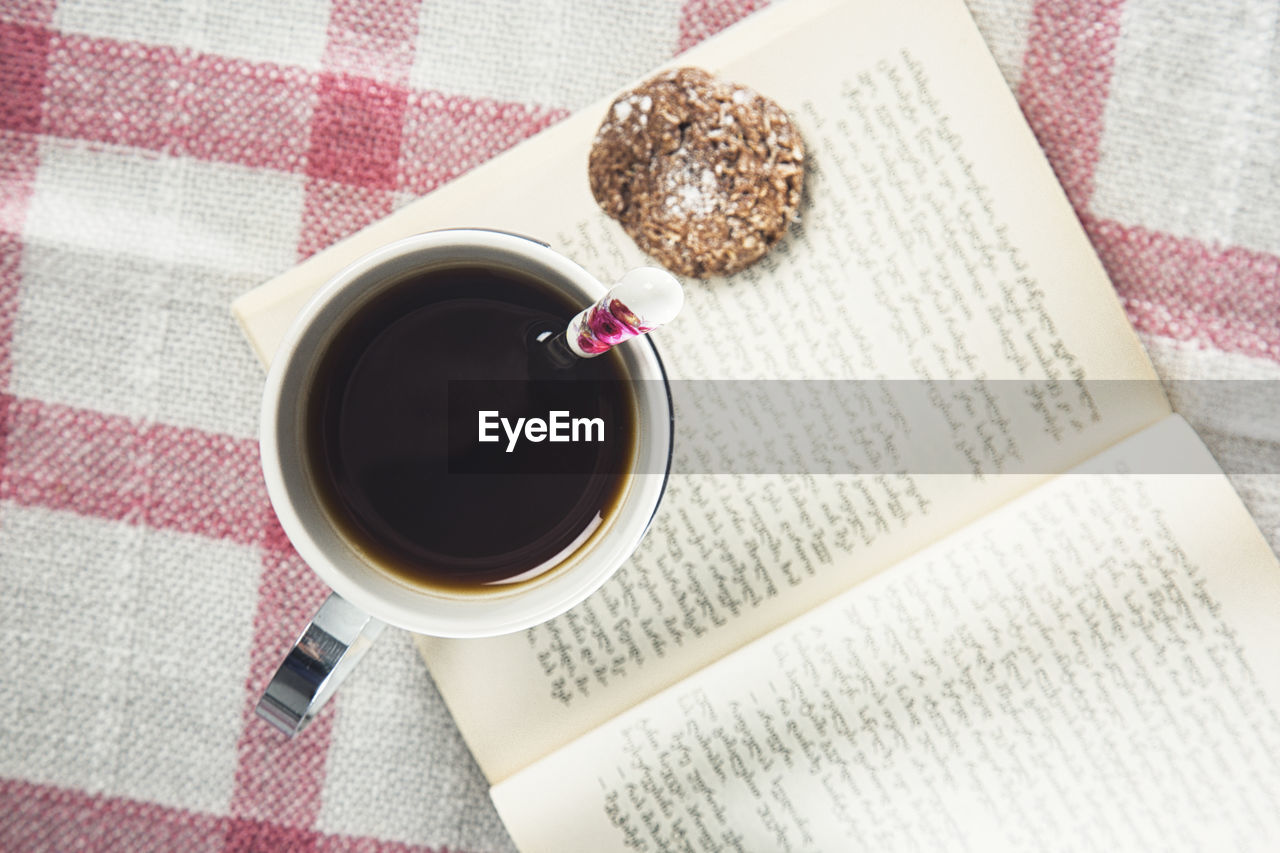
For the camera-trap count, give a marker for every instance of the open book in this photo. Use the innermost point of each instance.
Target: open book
(1079, 656)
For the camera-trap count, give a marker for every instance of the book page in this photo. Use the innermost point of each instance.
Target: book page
(1090, 667)
(933, 230)
(933, 242)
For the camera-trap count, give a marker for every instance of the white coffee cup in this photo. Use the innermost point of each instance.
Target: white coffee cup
(366, 597)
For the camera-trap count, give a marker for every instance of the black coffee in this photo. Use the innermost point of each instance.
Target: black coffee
(401, 470)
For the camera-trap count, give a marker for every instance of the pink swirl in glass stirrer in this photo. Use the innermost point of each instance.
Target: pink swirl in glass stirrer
(640, 302)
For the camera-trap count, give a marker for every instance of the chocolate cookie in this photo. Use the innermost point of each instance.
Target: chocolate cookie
(705, 175)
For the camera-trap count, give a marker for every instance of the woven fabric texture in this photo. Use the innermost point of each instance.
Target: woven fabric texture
(158, 159)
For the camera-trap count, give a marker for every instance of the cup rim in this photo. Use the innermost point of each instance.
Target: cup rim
(419, 609)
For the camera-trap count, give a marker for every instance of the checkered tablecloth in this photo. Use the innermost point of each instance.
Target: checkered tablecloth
(159, 158)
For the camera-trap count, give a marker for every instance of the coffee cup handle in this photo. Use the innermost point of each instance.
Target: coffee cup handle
(330, 647)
